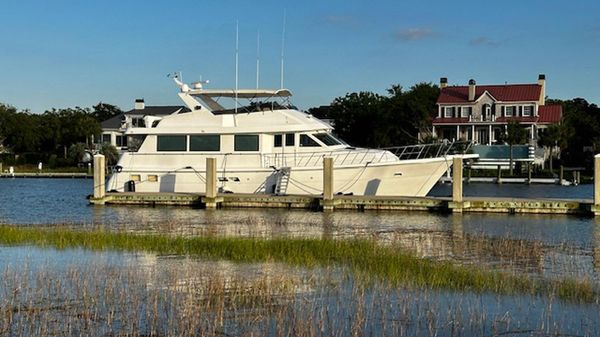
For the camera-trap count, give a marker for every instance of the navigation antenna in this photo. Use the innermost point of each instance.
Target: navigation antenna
(257, 57)
(282, 46)
(237, 24)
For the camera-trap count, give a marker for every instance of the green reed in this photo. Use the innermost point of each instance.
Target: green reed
(366, 258)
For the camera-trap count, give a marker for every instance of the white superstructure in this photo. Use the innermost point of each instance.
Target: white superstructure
(267, 146)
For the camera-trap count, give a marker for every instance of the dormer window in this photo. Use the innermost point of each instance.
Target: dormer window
(448, 112)
(527, 110)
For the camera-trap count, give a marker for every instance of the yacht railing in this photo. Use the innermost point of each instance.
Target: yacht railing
(355, 156)
(421, 151)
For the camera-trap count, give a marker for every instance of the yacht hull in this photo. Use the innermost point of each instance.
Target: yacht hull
(397, 178)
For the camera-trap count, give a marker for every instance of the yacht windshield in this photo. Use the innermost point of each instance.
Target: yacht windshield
(327, 139)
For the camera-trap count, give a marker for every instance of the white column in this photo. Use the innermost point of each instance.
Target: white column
(532, 132)
(473, 133)
(490, 134)
(457, 132)
(99, 178)
(433, 131)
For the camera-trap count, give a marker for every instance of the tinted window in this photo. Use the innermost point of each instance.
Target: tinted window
(277, 140)
(205, 143)
(305, 140)
(171, 143)
(135, 142)
(327, 139)
(289, 139)
(121, 141)
(246, 143)
(106, 138)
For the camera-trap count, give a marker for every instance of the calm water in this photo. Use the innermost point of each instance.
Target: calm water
(539, 245)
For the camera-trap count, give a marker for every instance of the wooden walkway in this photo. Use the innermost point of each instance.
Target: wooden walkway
(358, 203)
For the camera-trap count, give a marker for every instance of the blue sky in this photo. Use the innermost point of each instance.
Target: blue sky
(66, 53)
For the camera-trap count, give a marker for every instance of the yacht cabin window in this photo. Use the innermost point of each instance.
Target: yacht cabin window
(171, 143)
(277, 140)
(245, 143)
(135, 142)
(289, 139)
(205, 143)
(307, 141)
(327, 139)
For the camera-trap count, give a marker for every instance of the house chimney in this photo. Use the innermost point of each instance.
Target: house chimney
(139, 104)
(443, 82)
(471, 90)
(542, 83)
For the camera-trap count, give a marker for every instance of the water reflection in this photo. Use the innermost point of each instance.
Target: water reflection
(547, 245)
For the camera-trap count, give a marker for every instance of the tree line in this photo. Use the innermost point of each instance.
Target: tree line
(58, 137)
(363, 119)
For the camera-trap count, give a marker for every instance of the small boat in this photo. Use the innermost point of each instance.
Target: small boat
(264, 146)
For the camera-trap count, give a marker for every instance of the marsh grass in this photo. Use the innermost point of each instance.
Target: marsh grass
(366, 259)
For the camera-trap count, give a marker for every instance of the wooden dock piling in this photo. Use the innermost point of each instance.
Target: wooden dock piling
(328, 201)
(211, 198)
(457, 204)
(99, 177)
(596, 205)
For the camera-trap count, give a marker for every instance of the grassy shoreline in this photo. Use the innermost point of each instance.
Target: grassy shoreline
(366, 258)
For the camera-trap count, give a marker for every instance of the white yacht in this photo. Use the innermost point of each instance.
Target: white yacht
(267, 146)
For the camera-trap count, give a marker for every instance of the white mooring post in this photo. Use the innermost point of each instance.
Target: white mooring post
(99, 176)
(596, 206)
(211, 178)
(328, 204)
(210, 199)
(457, 204)
(457, 179)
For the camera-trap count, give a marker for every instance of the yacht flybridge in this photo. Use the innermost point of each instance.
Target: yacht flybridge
(265, 146)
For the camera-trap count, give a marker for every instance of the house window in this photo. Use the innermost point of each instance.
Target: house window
(465, 111)
(246, 143)
(289, 139)
(528, 110)
(448, 112)
(277, 140)
(106, 138)
(171, 143)
(509, 111)
(121, 141)
(205, 143)
(138, 122)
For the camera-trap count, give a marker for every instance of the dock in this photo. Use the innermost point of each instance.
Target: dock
(63, 175)
(352, 203)
(329, 201)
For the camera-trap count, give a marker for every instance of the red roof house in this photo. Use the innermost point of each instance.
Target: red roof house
(480, 113)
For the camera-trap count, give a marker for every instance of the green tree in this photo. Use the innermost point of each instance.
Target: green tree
(104, 111)
(552, 137)
(371, 120)
(359, 119)
(110, 153)
(515, 134)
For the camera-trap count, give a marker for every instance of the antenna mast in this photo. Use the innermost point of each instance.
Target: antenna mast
(257, 57)
(282, 46)
(236, 63)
